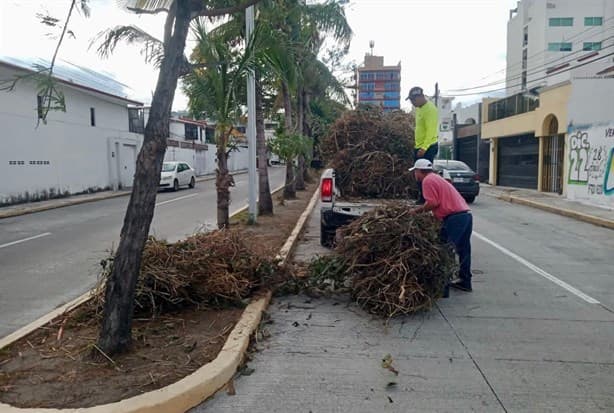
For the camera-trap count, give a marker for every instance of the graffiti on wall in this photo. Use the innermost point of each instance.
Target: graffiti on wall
(591, 163)
(608, 184)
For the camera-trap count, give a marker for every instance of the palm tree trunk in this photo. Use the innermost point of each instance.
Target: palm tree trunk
(265, 200)
(290, 184)
(287, 107)
(116, 331)
(290, 188)
(300, 170)
(307, 133)
(223, 179)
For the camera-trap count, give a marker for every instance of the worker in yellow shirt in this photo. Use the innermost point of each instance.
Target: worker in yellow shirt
(426, 145)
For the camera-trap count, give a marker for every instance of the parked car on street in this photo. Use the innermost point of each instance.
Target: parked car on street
(461, 176)
(176, 174)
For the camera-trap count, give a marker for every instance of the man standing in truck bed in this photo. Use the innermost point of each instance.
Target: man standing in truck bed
(426, 145)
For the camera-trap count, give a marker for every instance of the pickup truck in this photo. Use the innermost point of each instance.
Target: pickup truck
(335, 212)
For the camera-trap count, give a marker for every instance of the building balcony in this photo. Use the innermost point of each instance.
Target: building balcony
(511, 106)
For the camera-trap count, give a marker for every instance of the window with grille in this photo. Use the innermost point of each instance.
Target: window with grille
(589, 46)
(593, 21)
(136, 122)
(560, 21)
(191, 131)
(559, 47)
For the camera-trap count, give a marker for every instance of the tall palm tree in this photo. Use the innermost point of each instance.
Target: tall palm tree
(116, 330)
(216, 90)
(300, 26)
(233, 31)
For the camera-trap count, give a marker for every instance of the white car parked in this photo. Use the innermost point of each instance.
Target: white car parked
(176, 174)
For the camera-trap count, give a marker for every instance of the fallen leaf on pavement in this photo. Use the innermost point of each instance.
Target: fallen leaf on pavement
(230, 388)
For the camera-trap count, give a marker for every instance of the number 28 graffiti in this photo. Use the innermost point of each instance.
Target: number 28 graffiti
(591, 165)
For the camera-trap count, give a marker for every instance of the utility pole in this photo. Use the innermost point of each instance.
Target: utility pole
(437, 95)
(251, 125)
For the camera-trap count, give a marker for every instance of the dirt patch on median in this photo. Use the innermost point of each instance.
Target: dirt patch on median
(52, 368)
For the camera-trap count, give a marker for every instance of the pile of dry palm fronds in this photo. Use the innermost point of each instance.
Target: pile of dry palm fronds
(394, 263)
(371, 152)
(397, 261)
(210, 269)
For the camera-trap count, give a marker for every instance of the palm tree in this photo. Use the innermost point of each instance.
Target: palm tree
(233, 31)
(300, 27)
(215, 89)
(116, 330)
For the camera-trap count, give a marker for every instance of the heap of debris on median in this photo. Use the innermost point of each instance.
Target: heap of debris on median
(390, 261)
(212, 269)
(371, 152)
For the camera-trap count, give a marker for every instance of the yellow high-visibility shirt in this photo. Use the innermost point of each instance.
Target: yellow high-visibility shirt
(426, 126)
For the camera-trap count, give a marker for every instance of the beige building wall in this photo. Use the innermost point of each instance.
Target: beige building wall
(553, 102)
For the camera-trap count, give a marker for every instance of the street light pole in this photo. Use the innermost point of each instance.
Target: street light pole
(251, 124)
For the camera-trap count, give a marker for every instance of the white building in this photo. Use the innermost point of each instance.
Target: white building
(187, 143)
(551, 41)
(90, 147)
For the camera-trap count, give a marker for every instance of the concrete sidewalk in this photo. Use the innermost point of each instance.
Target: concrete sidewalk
(552, 203)
(32, 207)
(518, 343)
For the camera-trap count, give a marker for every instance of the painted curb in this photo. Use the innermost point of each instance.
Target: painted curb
(27, 329)
(68, 202)
(591, 219)
(196, 387)
(286, 249)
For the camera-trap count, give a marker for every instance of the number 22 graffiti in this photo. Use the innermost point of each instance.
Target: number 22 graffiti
(579, 158)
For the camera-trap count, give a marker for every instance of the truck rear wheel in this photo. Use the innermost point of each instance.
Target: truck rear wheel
(327, 236)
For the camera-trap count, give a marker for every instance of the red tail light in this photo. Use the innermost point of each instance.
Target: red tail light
(476, 177)
(326, 190)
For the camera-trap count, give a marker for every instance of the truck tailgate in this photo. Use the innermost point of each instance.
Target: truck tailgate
(354, 208)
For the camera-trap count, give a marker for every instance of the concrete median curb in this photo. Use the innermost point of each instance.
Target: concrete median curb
(198, 386)
(591, 219)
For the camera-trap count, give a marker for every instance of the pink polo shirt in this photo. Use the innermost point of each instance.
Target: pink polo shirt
(441, 194)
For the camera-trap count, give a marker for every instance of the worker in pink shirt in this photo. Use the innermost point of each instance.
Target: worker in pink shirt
(449, 207)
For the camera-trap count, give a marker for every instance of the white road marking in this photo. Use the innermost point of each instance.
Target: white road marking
(538, 270)
(25, 239)
(176, 199)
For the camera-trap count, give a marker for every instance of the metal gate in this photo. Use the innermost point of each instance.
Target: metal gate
(476, 157)
(484, 160)
(517, 160)
(468, 151)
(552, 174)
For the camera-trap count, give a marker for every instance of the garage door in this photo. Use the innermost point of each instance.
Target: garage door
(518, 161)
(468, 151)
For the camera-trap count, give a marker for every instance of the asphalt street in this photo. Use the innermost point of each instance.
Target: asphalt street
(51, 257)
(536, 334)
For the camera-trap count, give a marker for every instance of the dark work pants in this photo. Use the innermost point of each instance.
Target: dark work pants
(430, 154)
(456, 229)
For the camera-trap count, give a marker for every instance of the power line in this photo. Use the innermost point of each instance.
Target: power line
(533, 80)
(534, 70)
(541, 52)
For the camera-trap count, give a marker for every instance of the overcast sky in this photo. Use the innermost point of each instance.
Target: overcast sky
(458, 43)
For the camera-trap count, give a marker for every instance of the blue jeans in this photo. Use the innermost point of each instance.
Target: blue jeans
(457, 230)
(430, 154)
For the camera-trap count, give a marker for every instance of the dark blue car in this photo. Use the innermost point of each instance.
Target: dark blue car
(462, 177)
